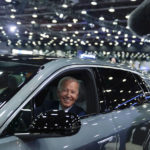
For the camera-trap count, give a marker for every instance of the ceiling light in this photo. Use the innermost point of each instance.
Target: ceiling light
(116, 43)
(12, 16)
(54, 21)
(96, 32)
(119, 32)
(18, 22)
(61, 16)
(34, 15)
(134, 36)
(12, 28)
(69, 25)
(83, 43)
(88, 34)
(126, 39)
(75, 20)
(49, 26)
(124, 80)
(65, 6)
(126, 35)
(108, 34)
(97, 37)
(64, 29)
(115, 23)
(116, 37)
(13, 10)
(84, 12)
(129, 45)
(31, 33)
(127, 16)
(103, 29)
(76, 32)
(8, 1)
(33, 22)
(110, 78)
(94, 3)
(111, 10)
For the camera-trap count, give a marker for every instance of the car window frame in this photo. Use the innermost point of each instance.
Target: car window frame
(100, 89)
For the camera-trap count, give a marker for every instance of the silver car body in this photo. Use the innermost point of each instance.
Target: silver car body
(97, 131)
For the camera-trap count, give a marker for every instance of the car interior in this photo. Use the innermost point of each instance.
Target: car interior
(87, 95)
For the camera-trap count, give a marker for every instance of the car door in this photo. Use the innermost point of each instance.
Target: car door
(124, 96)
(97, 130)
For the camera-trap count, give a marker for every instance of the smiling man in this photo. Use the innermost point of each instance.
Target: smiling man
(68, 92)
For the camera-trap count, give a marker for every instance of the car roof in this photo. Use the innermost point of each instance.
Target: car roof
(62, 62)
(26, 60)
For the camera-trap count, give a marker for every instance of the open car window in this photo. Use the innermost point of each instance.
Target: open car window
(12, 77)
(87, 96)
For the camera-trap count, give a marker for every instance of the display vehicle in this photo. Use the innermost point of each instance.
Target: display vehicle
(114, 97)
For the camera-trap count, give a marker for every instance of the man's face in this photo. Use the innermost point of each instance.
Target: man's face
(69, 93)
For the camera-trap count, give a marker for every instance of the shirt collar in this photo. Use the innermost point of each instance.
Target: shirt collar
(66, 110)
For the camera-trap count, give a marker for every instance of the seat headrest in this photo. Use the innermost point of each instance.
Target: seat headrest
(14, 81)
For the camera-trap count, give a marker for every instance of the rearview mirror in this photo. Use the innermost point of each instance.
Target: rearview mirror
(57, 122)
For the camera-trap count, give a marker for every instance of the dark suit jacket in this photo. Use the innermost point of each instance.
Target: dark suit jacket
(74, 109)
(55, 105)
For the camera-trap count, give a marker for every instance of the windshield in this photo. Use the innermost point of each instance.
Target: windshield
(12, 77)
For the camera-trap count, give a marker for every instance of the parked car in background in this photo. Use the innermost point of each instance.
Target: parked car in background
(115, 98)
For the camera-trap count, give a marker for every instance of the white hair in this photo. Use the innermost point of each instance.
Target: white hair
(64, 79)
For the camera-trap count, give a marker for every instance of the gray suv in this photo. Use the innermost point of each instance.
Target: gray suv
(114, 97)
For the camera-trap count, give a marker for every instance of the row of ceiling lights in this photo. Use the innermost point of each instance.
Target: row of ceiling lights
(68, 40)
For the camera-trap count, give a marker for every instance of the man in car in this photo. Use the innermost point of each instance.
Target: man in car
(68, 92)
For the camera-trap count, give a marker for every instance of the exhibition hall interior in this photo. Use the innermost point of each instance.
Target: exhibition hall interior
(95, 29)
(75, 74)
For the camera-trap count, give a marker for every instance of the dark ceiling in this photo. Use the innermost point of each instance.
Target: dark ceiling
(46, 26)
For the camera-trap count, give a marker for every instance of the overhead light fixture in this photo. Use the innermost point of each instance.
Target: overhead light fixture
(101, 18)
(8, 1)
(18, 22)
(54, 21)
(33, 22)
(94, 3)
(12, 28)
(13, 10)
(75, 20)
(12, 16)
(111, 9)
(34, 15)
(61, 15)
(64, 5)
(84, 12)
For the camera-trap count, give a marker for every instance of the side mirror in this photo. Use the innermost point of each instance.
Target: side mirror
(56, 122)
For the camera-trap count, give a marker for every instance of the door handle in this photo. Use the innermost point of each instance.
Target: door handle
(109, 139)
